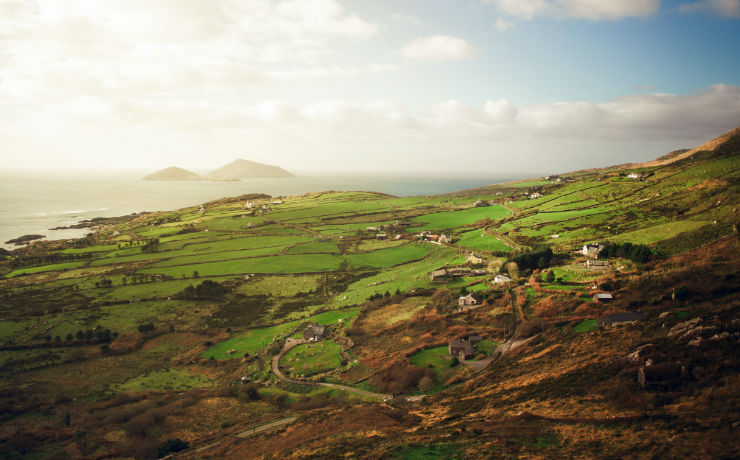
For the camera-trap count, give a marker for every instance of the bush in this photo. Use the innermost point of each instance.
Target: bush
(539, 257)
(207, 290)
(454, 361)
(635, 252)
(151, 246)
(426, 383)
(550, 277)
(171, 445)
(249, 392)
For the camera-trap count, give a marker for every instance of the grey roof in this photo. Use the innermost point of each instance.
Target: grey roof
(466, 346)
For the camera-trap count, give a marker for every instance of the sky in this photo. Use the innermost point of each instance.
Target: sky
(452, 86)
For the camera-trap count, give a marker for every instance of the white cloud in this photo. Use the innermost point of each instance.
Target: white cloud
(81, 47)
(594, 10)
(438, 48)
(721, 8)
(405, 18)
(503, 25)
(336, 134)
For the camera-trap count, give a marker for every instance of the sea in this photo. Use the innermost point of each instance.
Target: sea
(35, 202)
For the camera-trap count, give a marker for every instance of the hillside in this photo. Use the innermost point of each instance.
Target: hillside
(174, 173)
(245, 169)
(319, 325)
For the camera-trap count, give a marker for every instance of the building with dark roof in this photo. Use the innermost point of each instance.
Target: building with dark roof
(619, 319)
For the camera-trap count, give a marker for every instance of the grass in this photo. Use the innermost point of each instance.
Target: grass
(314, 248)
(256, 340)
(312, 358)
(44, 268)
(404, 278)
(477, 239)
(453, 219)
(586, 326)
(389, 257)
(294, 263)
(661, 232)
(171, 379)
(432, 358)
(280, 286)
(486, 346)
(161, 289)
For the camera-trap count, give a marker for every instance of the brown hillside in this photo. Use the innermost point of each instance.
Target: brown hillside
(724, 142)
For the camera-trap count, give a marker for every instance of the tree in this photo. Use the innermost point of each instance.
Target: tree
(151, 246)
(550, 277)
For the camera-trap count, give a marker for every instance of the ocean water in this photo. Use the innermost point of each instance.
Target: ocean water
(33, 203)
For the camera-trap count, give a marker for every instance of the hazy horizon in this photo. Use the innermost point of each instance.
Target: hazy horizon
(347, 85)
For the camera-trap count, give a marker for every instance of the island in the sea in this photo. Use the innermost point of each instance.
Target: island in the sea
(238, 169)
(174, 173)
(246, 169)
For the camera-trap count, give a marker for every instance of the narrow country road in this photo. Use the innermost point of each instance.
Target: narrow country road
(267, 427)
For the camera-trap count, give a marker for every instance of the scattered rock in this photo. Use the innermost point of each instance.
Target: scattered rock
(681, 328)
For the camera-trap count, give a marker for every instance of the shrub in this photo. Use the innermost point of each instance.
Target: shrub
(426, 383)
(248, 392)
(539, 257)
(454, 361)
(171, 445)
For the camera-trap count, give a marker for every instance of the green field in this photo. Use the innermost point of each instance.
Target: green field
(171, 379)
(44, 268)
(478, 239)
(454, 219)
(280, 286)
(312, 358)
(661, 232)
(256, 340)
(586, 326)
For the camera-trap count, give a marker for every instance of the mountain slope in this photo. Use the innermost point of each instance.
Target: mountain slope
(249, 169)
(174, 173)
(725, 142)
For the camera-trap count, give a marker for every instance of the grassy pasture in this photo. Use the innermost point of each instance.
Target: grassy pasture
(453, 219)
(255, 340)
(586, 326)
(434, 358)
(159, 289)
(477, 239)
(438, 359)
(403, 277)
(216, 256)
(314, 247)
(170, 379)
(661, 232)
(312, 358)
(293, 263)
(390, 256)
(44, 268)
(280, 286)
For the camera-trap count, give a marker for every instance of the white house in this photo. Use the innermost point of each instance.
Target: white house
(501, 279)
(592, 250)
(634, 176)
